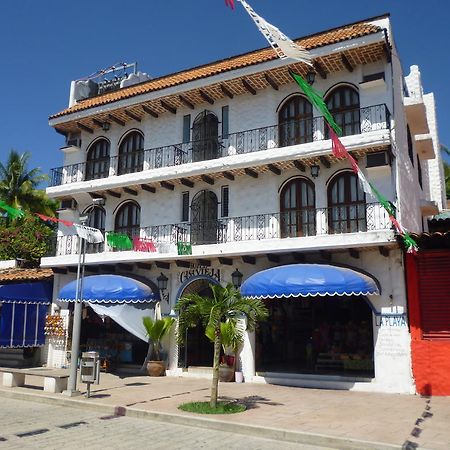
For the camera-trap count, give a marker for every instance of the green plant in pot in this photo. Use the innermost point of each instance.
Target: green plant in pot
(156, 330)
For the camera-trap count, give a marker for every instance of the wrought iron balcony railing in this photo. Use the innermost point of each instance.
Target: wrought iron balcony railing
(350, 218)
(357, 121)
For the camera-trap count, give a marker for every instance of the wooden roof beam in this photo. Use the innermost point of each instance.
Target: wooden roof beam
(186, 102)
(274, 169)
(150, 111)
(168, 107)
(182, 263)
(319, 69)
(130, 191)
(167, 185)
(116, 120)
(249, 259)
(207, 179)
(384, 251)
(162, 265)
(271, 81)
(113, 193)
(346, 62)
(147, 188)
(225, 261)
(142, 265)
(228, 175)
(273, 258)
(186, 182)
(206, 97)
(132, 115)
(300, 166)
(353, 253)
(248, 86)
(325, 161)
(251, 173)
(84, 127)
(226, 91)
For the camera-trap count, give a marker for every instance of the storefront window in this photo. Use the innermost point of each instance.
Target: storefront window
(329, 335)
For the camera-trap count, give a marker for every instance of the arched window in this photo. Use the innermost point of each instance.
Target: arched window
(128, 219)
(204, 223)
(347, 204)
(205, 137)
(343, 103)
(97, 160)
(297, 208)
(295, 120)
(131, 153)
(96, 219)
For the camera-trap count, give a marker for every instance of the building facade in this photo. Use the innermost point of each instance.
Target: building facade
(228, 166)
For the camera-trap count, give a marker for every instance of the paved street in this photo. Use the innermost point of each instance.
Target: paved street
(41, 426)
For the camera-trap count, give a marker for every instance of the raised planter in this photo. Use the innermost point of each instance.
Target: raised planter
(156, 368)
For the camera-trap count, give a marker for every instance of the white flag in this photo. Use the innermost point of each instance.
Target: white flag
(92, 235)
(283, 46)
(365, 184)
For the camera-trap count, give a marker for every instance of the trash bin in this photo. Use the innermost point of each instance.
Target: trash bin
(90, 369)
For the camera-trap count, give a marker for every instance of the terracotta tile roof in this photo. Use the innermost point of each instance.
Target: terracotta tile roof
(237, 62)
(16, 274)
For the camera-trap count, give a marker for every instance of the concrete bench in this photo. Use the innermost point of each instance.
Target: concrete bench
(55, 381)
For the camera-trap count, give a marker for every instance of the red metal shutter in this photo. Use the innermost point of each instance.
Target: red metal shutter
(434, 293)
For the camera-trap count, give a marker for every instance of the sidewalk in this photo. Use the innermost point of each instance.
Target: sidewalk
(339, 419)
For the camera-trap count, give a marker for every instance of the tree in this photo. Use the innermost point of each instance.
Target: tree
(445, 150)
(225, 305)
(19, 186)
(156, 330)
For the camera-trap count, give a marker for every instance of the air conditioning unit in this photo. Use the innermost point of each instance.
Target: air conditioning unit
(378, 159)
(68, 204)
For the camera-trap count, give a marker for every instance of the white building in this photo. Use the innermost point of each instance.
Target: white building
(233, 159)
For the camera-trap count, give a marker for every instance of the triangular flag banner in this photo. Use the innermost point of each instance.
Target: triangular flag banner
(283, 46)
(67, 223)
(317, 100)
(338, 149)
(13, 213)
(119, 241)
(92, 235)
(230, 3)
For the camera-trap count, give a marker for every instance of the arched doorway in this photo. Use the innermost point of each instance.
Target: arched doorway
(128, 219)
(343, 103)
(295, 121)
(204, 223)
(131, 153)
(197, 350)
(347, 204)
(297, 208)
(97, 160)
(96, 219)
(205, 137)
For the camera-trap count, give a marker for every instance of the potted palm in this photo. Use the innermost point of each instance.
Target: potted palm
(156, 329)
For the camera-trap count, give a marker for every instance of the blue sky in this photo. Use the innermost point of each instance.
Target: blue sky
(44, 44)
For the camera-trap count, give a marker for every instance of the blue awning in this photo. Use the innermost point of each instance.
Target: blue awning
(308, 280)
(39, 292)
(109, 289)
(22, 313)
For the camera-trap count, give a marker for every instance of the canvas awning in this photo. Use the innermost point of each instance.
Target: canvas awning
(308, 280)
(23, 307)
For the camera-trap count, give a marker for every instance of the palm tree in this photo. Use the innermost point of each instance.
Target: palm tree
(226, 304)
(19, 186)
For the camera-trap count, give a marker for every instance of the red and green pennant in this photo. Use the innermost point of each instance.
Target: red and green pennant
(119, 241)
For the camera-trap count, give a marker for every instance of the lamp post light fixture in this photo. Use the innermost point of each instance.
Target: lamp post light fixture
(236, 278)
(162, 286)
(315, 169)
(310, 77)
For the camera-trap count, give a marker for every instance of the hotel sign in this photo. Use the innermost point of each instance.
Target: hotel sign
(195, 271)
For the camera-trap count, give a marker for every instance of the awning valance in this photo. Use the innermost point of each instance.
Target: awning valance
(109, 289)
(38, 292)
(308, 280)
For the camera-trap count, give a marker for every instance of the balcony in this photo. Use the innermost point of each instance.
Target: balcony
(308, 222)
(354, 122)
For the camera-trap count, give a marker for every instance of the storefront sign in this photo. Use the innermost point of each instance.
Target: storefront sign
(391, 320)
(200, 271)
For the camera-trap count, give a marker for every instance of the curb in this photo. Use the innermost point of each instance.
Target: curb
(278, 434)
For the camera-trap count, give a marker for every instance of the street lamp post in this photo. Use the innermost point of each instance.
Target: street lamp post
(76, 328)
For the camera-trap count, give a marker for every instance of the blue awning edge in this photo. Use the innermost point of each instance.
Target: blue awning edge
(109, 289)
(308, 280)
(36, 292)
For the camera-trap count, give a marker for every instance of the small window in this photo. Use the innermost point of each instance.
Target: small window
(185, 207)
(419, 172)
(225, 121)
(225, 201)
(410, 145)
(186, 128)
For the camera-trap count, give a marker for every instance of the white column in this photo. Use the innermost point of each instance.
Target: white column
(248, 355)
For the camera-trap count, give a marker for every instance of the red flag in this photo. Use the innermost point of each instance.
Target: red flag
(67, 223)
(336, 145)
(143, 245)
(230, 3)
